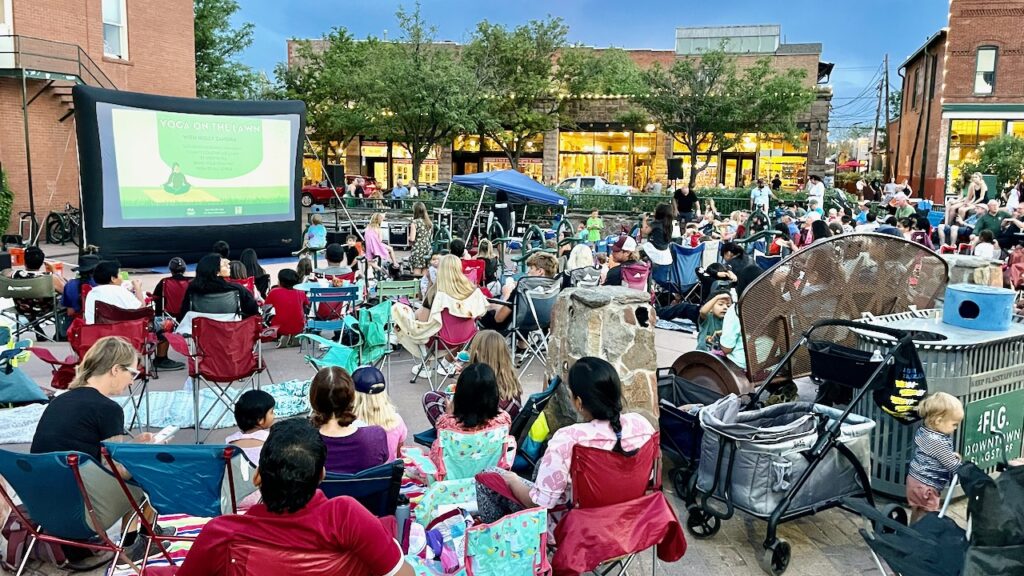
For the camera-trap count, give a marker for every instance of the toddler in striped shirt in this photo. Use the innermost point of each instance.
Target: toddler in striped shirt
(935, 458)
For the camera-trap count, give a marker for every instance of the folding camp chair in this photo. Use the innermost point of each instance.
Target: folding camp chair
(475, 270)
(173, 295)
(464, 454)
(249, 283)
(680, 277)
(635, 275)
(220, 353)
(531, 318)
(453, 337)
(526, 460)
(394, 290)
(376, 488)
(712, 250)
(66, 498)
(35, 304)
(224, 306)
(613, 517)
(586, 277)
(330, 306)
(764, 261)
(201, 481)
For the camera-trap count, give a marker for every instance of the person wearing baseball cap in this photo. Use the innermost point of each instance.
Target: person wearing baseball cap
(73, 295)
(624, 250)
(374, 407)
(177, 268)
(335, 255)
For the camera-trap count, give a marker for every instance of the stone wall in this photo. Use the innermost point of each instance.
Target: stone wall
(613, 323)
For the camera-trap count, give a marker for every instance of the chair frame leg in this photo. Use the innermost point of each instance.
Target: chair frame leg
(28, 552)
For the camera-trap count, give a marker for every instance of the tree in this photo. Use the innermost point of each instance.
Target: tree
(895, 104)
(218, 72)
(609, 71)
(518, 93)
(1002, 156)
(413, 91)
(707, 103)
(325, 78)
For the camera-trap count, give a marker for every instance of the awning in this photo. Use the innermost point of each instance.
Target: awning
(519, 187)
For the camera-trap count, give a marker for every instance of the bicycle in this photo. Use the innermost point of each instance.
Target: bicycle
(64, 227)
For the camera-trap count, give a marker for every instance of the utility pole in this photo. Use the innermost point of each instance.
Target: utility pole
(874, 134)
(888, 136)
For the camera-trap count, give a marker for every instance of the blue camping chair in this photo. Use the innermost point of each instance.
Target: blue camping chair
(198, 480)
(764, 262)
(376, 488)
(67, 499)
(682, 277)
(336, 300)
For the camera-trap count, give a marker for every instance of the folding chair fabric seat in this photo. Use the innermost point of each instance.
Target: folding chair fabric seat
(376, 488)
(331, 306)
(455, 334)
(174, 295)
(464, 454)
(534, 301)
(586, 277)
(34, 299)
(635, 275)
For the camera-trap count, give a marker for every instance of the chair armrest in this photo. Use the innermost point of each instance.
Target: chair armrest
(500, 302)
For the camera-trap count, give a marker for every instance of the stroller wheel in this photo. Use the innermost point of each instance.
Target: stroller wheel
(701, 524)
(896, 513)
(681, 482)
(775, 559)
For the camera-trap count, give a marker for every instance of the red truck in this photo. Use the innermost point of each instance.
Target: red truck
(317, 194)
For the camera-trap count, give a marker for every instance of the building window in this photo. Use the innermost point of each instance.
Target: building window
(918, 81)
(985, 70)
(115, 29)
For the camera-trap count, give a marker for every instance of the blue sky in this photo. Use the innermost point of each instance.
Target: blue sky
(855, 36)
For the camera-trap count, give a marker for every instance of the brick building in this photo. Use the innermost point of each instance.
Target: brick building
(964, 86)
(47, 46)
(599, 144)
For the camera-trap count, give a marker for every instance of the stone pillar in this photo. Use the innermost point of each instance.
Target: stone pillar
(613, 323)
(550, 169)
(444, 163)
(353, 159)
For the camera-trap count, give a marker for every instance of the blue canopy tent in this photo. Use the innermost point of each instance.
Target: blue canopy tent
(519, 187)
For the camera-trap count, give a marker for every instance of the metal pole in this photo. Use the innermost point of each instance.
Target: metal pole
(446, 194)
(472, 223)
(28, 160)
(888, 136)
(874, 134)
(334, 189)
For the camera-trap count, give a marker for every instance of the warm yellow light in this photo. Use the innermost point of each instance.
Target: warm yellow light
(650, 128)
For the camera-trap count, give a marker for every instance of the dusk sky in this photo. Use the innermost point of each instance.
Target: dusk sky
(855, 36)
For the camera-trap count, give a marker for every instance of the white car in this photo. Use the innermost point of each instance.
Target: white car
(583, 184)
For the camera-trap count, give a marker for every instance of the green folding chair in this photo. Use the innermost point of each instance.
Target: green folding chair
(392, 290)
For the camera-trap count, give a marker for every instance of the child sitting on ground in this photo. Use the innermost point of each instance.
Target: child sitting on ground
(290, 308)
(712, 316)
(373, 407)
(986, 246)
(254, 415)
(935, 460)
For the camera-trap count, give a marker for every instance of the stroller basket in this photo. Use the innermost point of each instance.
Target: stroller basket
(681, 433)
(843, 365)
(763, 453)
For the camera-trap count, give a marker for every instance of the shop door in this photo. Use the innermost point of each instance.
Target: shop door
(738, 171)
(377, 168)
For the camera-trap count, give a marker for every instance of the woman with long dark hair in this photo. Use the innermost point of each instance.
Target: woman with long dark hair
(252, 264)
(819, 230)
(211, 272)
(597, 396)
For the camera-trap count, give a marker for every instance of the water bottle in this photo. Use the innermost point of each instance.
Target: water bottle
(876, 356)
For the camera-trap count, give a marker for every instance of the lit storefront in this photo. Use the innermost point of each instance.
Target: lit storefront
(312, 169)
(467, 158)
(737, 166)
(375, 162)
(965, 138)
(620, 157)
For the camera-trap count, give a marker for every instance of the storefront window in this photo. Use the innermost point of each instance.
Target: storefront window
(466, 144)
(1016, 128)
(964, 138)
(706, 179)
(620, 157)
(792, 170)
(680, 148)
(532, 167)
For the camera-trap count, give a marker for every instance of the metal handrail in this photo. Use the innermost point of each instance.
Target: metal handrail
(58, 58)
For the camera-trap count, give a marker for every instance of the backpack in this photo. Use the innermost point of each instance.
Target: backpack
(16, 535)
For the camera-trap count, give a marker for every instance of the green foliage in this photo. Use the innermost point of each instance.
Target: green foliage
(895, 104)
(1002, 156)
(707, 103)
(219, 74)
(518, 94)
(6, 200)
(608, 71)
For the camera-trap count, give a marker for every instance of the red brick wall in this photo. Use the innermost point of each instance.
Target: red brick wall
(161, 52)
(975, 23)
(914, 136)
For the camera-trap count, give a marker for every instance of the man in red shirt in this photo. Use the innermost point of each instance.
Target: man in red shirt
(296, 529)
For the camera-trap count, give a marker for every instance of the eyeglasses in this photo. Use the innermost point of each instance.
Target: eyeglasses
(134, 372)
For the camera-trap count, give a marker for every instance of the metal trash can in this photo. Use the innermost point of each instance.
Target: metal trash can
(984, 370)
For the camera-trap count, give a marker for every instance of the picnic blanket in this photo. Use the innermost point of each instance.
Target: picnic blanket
(18, 425)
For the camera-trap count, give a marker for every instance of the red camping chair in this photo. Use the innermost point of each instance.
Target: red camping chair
(475, 270)
(613, 517)
(219, 354)
(173, 295)
(249, 283)
(455, 334)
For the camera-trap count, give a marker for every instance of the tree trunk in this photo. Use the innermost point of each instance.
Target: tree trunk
(514, 157)
(693, 169)
(417, 161)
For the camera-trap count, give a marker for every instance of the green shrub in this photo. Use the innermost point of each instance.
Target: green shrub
(6, 200)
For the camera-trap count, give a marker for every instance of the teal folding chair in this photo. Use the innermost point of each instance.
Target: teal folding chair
(198, 480)
(67, 499)
(329, 309)
(390, 291)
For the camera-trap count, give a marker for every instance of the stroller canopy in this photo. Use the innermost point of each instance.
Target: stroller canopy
(520, 188)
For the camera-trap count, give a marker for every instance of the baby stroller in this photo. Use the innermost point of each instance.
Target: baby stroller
(681, 433)
(791, 460)
(995, 508)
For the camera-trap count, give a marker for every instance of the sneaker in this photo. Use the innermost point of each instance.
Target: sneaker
(90, 562)
(165, 531)
(167, 365)
(137, 553)
(445, 368)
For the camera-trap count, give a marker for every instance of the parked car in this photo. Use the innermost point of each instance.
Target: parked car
(317, 194)
(579, 184)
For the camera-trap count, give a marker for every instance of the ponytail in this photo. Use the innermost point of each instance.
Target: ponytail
(596, 383)
(106, 353)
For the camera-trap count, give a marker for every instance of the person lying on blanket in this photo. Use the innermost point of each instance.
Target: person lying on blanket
(296, 524)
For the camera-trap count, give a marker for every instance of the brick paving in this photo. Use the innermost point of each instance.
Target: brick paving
(826, 544)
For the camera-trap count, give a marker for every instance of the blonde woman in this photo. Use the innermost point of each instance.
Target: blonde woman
(975, 193)
(374, 407)
(375, 247)
(486, 252)
(452, 292)
(420, 234)
(488, 347)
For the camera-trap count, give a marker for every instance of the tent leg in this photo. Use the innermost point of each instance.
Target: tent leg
(446, 194)
(472, 223)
